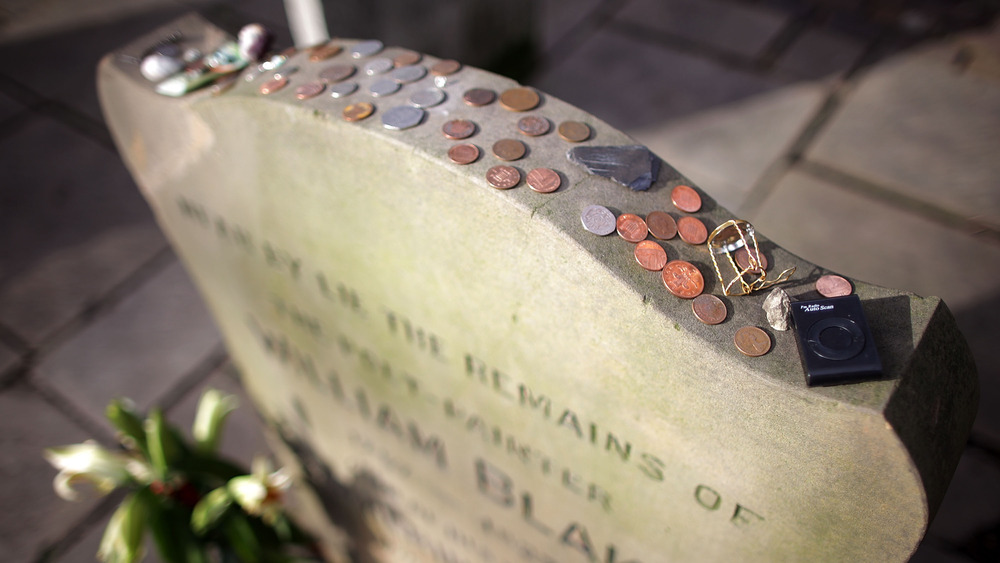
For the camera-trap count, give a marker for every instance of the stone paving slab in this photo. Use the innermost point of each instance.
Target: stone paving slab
(141, 349)
(935, 129)
(973, 500)
(558, 17)
(8, 359)
(820, 53)
(70, 232)
(8, 108)
(33, 516)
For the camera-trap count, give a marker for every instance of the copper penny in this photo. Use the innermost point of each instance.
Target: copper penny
(533, 126)
(324, 52)
(519, 99)
(692, 230)
(574, 131)
(458, 129)
(478, 97)
(336, 73)
(358, 111)
(650, 255)
(309, 90)
(683, 279)
(273, 85)
(509, 149)
(833, 286)
(686, 199)
(709, 309)
(752, 341)
(406, 58)
(446, 67)
(466, 153)
(503, 177)
(661, 225)
(742, 257)
(544, 180)
(631, 227)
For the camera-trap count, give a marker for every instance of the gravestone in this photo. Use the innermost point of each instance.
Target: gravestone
(463, 373)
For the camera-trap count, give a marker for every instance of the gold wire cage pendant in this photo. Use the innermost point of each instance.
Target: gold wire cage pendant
(725, 240)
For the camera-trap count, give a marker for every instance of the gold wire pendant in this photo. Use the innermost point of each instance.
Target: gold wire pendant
(728, 238)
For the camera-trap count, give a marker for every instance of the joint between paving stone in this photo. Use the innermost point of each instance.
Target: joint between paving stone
(56, 549)
(683, 45)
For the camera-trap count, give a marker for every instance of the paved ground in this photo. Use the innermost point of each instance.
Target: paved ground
(863, 138)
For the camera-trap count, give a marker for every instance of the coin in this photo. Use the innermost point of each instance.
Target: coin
(343, 89)
(683, 279)
(685, 199)
(833, 286)
(402, 117)
(742, 257)
(661, 225)
(285, 72)
(533, 126)
(709, 309)
(323, 52)
(598, 220)
(408, 74)
(692, 230)
(446, 67)
(273, 85)
(544, 180)
(509, 149)
(574, 131)
(380, 65)
(458, 129)
(477, 97)
(427, 98)
(650, 255)
(309, 90)
(336, 73)
(503, 177)
(519, 99)
(752, 341)
(383, 87)
(358, 111)
(366, 48)
(465, 153)
(631, 227)
(406, 58)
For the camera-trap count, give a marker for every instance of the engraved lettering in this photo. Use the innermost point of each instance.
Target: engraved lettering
(652, 466)
(282, 260)
(743, 516)
(527, 511)
(707, 497)
(193, 210)
(416, 336)
(569, 420)
(624, 452)
(576, 536)
(494, 484)
(529, 399)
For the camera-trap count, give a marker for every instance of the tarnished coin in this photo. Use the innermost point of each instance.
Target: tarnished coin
(427, 98)
(661, 225)
(742, 257)
(709, 309)
(343, 89)
(358, 111)
(408, 74)
(384, 87)
(324, 52)
(685, 199)
(752, 341)
(285, 72)
(366, 48)
(692, 230)
(336, 73)
(650, 255)
(273, 85)
(533, 125)
(465, 153)
(458, 129)
(598, 220)
(478, 97)
(543, 180)
(509, 149)
(406, 58)
(574, 131)
(446, 67)
(683, 279)
(380, 65)
(631, 227)
(503, 177)
(832, 285)
(309, 90)
(519, 99)
(402, 117)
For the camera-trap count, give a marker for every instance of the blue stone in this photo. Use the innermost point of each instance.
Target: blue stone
(631, 165)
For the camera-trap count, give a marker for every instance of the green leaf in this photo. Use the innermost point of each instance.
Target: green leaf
(242, 538)
(122, 540)
(129, 424)
(164, 448)
(209, 510)
(213, 408)
(171, 530)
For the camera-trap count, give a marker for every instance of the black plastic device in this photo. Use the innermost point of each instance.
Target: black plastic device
(835, 343)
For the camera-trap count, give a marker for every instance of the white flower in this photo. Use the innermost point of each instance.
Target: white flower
(260, 492)
(89, 462)
(212, 411)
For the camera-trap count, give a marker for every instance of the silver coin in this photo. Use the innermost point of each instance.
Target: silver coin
(380, 65)
(343, 89)
(383, 87)
(598, 220)
(402, 117)
(366, 48)
(407, 74)
(427, 98)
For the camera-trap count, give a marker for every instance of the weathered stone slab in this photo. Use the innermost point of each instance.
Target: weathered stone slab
(466, 374)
